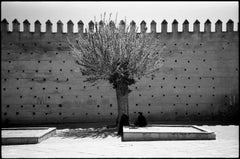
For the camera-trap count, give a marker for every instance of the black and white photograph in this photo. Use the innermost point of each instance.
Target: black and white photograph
(119, 79)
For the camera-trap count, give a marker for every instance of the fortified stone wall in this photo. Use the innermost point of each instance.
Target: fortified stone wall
(41, 83)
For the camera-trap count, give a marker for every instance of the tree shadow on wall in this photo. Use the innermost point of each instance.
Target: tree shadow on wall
(88, 132)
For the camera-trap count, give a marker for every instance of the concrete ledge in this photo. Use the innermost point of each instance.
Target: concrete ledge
(166, 132)
(26, 135)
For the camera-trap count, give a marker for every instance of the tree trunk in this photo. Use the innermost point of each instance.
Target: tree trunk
(122, 100)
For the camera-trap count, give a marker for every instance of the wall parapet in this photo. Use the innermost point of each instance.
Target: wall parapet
(143, 28)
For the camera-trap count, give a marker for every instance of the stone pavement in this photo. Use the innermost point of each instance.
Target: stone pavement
(104, 143)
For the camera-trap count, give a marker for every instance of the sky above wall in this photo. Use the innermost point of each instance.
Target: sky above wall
(137, 11)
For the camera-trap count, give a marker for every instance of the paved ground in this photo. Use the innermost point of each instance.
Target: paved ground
(102, 142)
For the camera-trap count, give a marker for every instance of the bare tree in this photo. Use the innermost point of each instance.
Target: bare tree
(119, 55)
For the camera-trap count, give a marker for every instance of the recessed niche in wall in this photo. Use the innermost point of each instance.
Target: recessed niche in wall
(86, 113)
(90, 96)
(110, 105)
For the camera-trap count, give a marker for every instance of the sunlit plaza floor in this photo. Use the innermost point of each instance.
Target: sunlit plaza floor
(103, 142)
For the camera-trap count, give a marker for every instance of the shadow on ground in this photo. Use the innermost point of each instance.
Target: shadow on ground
(88, 132)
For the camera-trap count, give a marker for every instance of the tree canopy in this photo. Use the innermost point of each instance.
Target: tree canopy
(117, 54)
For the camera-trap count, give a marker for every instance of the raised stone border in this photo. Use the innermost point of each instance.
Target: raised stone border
(152, 133)
(26, 135)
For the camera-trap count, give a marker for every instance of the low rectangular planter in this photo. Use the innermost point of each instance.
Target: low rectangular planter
(26, 135)
(166, 132)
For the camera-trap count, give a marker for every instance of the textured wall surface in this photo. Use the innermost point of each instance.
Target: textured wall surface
(41, 83)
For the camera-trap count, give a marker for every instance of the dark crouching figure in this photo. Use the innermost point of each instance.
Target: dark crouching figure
(124, 121)
(141, 120)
